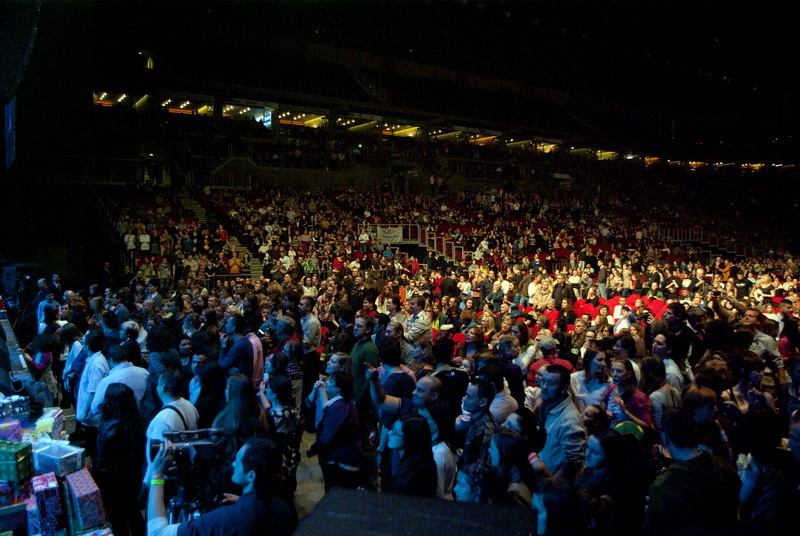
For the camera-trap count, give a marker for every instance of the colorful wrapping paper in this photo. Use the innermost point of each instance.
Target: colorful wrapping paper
(51, 422)
(32, 513)
(97, 532)
(16, 464)
(15, 407)
(86, 497)
(13, 492)
(58, 458)
(11, 430)
(48, 501)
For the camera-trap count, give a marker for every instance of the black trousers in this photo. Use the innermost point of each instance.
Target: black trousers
(310, 377)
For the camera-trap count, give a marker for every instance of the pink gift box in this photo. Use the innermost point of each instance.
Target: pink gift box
(48, 501)
(86, 498)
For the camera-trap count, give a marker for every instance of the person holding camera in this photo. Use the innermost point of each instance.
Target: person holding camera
(176, 414)
(255, 469)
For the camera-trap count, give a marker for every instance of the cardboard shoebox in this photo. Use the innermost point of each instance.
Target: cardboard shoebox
(48, 503)
(15, 407)
(14, 492)
(59, 458)
(51, 422)
(85, 497)
(15, 461)
(12, 518)
(11, 430)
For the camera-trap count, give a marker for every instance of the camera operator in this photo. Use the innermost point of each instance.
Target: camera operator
(176, 414)
(255, 468)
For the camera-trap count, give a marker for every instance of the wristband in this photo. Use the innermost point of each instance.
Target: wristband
(157, 482)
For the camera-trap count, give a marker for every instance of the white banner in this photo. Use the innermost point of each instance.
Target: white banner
(390, 235)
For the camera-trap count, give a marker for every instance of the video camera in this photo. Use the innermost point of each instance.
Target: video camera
(196, 471)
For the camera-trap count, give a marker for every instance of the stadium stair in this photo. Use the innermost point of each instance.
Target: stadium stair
(191, 204)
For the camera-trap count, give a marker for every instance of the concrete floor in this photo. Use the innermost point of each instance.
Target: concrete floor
(310, 487)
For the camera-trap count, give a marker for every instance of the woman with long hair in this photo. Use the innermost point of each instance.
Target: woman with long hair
(624, 399)
(242, 417)
(654, 384)
(39, 359)
(603, 317)
(117, 469)
(590, 385)
(206, 389)
(286, 422)
(514, 476)
(614, 470)
(474, 343)
(413, 470)
(764, 291)
(567, 312)
(527, 347)
(748, 393)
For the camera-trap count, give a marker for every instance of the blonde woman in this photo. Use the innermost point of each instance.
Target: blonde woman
(764, 291)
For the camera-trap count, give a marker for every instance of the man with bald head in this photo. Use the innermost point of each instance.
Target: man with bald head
(424, 401)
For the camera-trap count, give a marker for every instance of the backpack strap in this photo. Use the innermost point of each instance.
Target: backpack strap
(176, 410)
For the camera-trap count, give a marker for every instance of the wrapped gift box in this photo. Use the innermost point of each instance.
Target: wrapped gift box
(7, 493)
(12, 518)
(48, 502)
(36, 439)
(16, 464)
(85, 495)
(96, 532)
(51, 422)
(11, 430)
(58, 458)
(13, 492)
(32, 515)
(15, 407)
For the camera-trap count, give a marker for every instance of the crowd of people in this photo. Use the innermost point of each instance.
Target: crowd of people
(612, 391)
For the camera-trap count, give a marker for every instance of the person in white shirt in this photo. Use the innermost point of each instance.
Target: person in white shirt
(122, 371)
(94, 371)
(177, 414)
(618, 309)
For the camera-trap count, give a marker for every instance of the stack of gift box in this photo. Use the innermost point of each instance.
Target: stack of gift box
(45, 487)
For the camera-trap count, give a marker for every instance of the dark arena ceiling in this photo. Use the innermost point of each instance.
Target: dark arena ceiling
(674, 76)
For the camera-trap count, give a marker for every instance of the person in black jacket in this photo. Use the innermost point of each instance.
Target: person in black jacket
(120, 455)
(413, 470)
